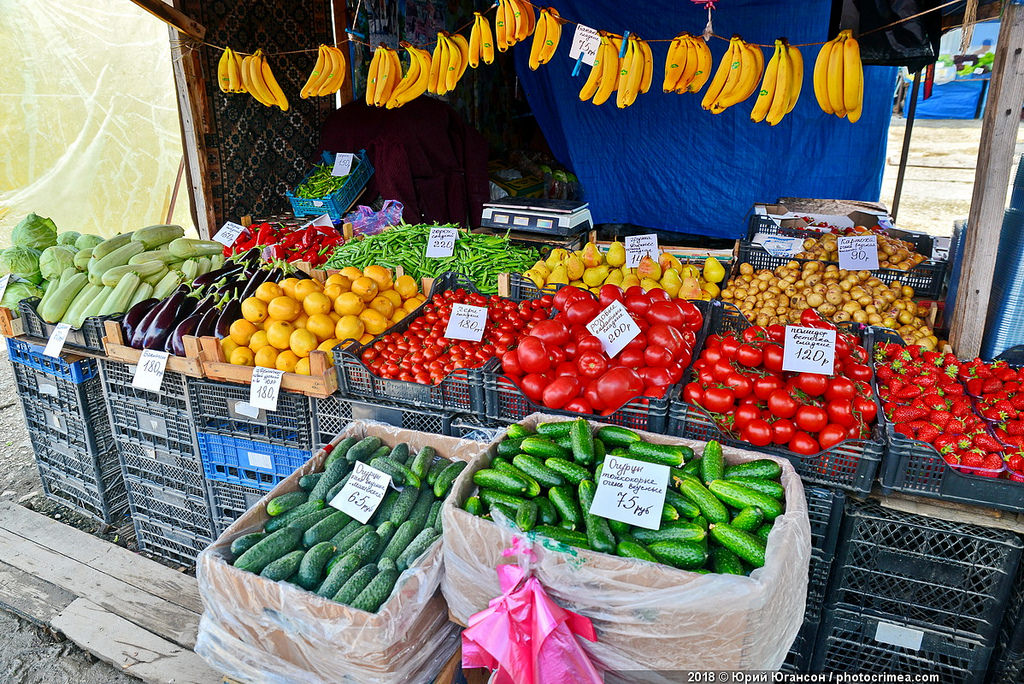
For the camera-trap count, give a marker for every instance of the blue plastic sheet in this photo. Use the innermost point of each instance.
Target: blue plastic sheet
(953, 100)
(667, 164)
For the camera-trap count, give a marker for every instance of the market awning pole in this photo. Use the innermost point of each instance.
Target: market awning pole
(906, 145)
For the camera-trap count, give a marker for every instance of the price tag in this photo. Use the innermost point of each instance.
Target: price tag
(266, 384)
(323, 220)
(3, 284)
(56, 341)
(584, 42)
(149, 373)
(441, 243)
(637, 246)
(631, 491)
(778, 245)
(343, 162)
(258, 460)
(614, 327)
(228, 233)
(466, 323)
(809, 350)
(858, 252)
(898, 635)
(363, 492)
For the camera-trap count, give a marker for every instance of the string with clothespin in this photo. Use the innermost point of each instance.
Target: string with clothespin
(709, 5)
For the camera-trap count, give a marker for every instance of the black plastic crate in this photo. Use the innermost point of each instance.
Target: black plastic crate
(224, 408)
(800, 653)
(168, 541)
(853, 642)
(100, 494)
(169, 506)
(118, 376)
(825, 511)
(229, 501)
(766, 225)
(67, 412)
(88, 338)
(177, 470)
(154, 425)
(331, 415)
(933, 573)
(1008, 659)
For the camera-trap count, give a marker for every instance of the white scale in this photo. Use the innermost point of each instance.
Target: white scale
(534, 215)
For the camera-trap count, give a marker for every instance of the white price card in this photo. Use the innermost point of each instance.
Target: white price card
(441, 243)
(4, 282)
(259, 460)
(56, 341)
(323, 220)
(809, 350)
(149, 372)
(584, 42)
(343, 162)
(228, 233)
(363, 492)
(779, 245)
(614, 327)
(631, 491)
(266, 384)
(466, 323)
(639, 246)
(858, 252)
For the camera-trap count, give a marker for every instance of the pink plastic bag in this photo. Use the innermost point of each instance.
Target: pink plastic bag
(366, 221)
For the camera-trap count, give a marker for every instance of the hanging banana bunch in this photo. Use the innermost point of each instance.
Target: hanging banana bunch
(636, 69)
(688, 65)
(258, 80)
(736, 78)
(514, 22)
(481, 42)
(545, 37)
(328, 73)
(229, 72)
(839, 77)
(449, 63)
(780, 89)
(384, 76)
(414, 82)
(604, 73)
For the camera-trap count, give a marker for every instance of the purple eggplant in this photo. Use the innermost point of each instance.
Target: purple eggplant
(162, 325)
(211, 277)
(231, 312)
(186, 327)
(205, 326)
(255, 281)
(135, 315)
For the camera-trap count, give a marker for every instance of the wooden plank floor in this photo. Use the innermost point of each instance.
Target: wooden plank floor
(123, 608)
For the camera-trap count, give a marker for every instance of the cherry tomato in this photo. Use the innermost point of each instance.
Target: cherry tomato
(840, 411)
(758, 432)
(719, 399)
(765, 385)
(749, 355)
(783, 431)
(741, 385)
(840, 388)
(711, 355)
(781, 404)
(830, 435)
(754, 333)
(811, 418)
(692, 394)
(803, 443)
(744, 414)
(722, 370)
(857, 371)
(866, 407)
(772, 358)
(730, 345)
(813, 384)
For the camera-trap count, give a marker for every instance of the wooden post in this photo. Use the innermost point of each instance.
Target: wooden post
(991, 178)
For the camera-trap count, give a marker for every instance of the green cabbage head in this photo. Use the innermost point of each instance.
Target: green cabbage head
(68, 238)
(15, 292)
(21, 262)
(34, 231)
(54, 260)
(87, 242)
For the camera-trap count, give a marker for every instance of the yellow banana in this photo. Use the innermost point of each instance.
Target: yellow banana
(524, 20)
(486, 41)
(539, 36)
(275, 90)
(373, 75)
(820, 76)
(675, 63)
(590, 87)
(738, 55)
(243, 71)
(223, 79)
(474, 41)
(835, 77)
(391, 74)
(443, 54)
(648, 66)
(853, 75)
(797, 78)
(764, 97)
(408, 78)
(414, 83)
(314, 75)
(256, 77)
(454, 64)
(609, 71)
(462, 45)
(340, 71)
(531, 18)
(703, 73)
(747, 79)
(504, 25)
(327, 75)
(435, 67)
(554, 34)
(625, 74)
(721, 75)
(234, 72)
(780, 99)
(691, 64)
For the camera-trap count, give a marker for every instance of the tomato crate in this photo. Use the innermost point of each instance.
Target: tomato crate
(168, 540)
(333, 413)
(224, 408)
(170, 506)
(338, 202)
(90, 484)
(944, 576)
(244, 462)
(229, 501)
(176, 470)
(88, 338)
(859, 642)
(31, 355)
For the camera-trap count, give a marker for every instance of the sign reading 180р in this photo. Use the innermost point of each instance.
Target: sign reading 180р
(466, 323)
(809, 350)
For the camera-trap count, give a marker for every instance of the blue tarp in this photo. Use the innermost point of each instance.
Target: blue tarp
(952, 100)
(667, 164)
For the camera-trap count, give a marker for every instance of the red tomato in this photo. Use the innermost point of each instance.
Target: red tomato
(636, 291)
(719, 399)
(744, 414)
(551, 332)
(618, 386)
(754, 333)
(655, 377)
(840, 388)
(609, 294)
(765, 385)
(568, 294)
(693, 319)
(510, 363)
(579, 405)
(783, 431)
(866, 407)
(803, 443)
(692, 393)
(831, 435)
(632, 357)
(813, 384)
(657, 356)
(533, 355)
(589, 343)
(556, 355)
(657, 294)
(637, 304)
(582, 311)
(730, 345)
(749, 356)
(666, 336)
(591, 364)
(566, 368)
(639, 342)
(533, 386)
(591, 396)
(781, 404)
(772, 358)
(741, 385)
(840, 411)
(561, 391)
(857, 371)
(758, 432)
(665, 313)
(811, 418)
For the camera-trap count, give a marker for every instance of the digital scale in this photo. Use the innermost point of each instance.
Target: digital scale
(534, 215)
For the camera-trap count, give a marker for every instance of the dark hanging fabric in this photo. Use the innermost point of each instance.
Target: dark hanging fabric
(913, 44)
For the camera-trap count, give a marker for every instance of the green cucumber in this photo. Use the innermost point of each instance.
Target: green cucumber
(745, 545)
(355, 584)
(702, 521)
(307, 482)
(269, 549)
(665, 454)
(585, 493)
(599, 534)
(400, 454)
(630, 549)
(385, 531)
(692, 468)
(582, 441)
(516, 431)
(507, 448)
(403, 536)
(709, 505)
(434, 516)
(435, 470)
(285, 502)
(546, 512)
(712, 463)
(399, 473)
(499, 480)
(620, 529)
(307, 521)
(367, 547)
(526, 516)
(403, 506)
(346, 543)
(283, 520)
(554, 429)
(682, 555)
(446, 478)
(535, 468)
(382, 452)
(678, 531)
(336, 489)
(332, 474)
(473, 506)
(669, 513)
(599, 451)
(340, 450)
(325, 529)
(417, 547)
(725, 562)
(421, 510)
(544, 448)
(373, 596)
(564, 441)
(565, 503)
(363, 449)
(284, 567)
(338, 573)
(311, 569)
(614, 436)
(748, 519)
(573, 473)
(762, 467)
(685, 507)
(738, 496)
(568, 537)
(767, 487)
(386, 507)
(242, 544)
(493, 496)
(763, 531)
(506, 467)
(345, 531)
(422, 461)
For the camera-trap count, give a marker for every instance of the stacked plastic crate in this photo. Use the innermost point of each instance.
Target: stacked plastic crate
(916, 595)
(160, 462)
(66, 414)
(246, 450)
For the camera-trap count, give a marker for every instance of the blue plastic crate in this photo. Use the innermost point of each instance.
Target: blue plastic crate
(31, 355)
(337, 203)
(244, 462)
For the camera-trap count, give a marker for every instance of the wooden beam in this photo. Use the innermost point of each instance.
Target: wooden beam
(989, 10)
(174, 17)
(995, 157)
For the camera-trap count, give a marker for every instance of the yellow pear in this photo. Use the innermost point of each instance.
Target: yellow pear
(595, 276)
(713, 270)
(629, 281)
(648, 268)
(690, 289)
(671, 282)
(556, 257)
(614, 277)
(541, 268)
(578, 283)
(574, 267)
(667, 261)
(616, 255)
(650, 284)
(592, 256)
(712, 289)
(536, 276)
(557, 276)
(596, 290)
(689, 271)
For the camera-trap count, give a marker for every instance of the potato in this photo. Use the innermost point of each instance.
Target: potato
(815, 300)
(860, 316)
(746, 269)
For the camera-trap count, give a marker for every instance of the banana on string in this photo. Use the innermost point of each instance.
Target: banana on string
(636, 70)
(414, 82)
(257, 79)
(229, 72)
(481, 41)
(780, 88)
(514, 22)
(328, 73)
(545, 37)
(839, 77)
(736, 78)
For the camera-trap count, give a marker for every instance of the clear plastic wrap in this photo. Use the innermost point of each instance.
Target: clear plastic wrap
(648, 616)
(257, 630)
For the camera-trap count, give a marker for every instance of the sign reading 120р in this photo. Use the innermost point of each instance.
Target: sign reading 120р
(809, 350)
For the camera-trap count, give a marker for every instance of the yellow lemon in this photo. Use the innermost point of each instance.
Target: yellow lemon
(279, 333)
(348, 303)
(268, 291)
(258, 340)
(266, 357)
(365, 339)
(351, 272)
(241, 356)
(365, 288)
(228, 345)
(254, 310)
(339, 280)
(406, 286)
(301, 321)
(332, 290)
(379, 275)
(286, 361)
(304, 288)
(328, 346)
(288, 286)
(317, 303)
(283, 309)
(335, 316)
(399, 315)
(410, 305)
(383, 305)
(393, 297)
(374, 321)
(302, 342)
(321, 325)
(302, 367)
(240, 331)
(349, 328)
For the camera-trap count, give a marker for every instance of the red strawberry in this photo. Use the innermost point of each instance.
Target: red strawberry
(986, 442)
(974, 386)
(960, 407)
(1015, 427)
(1017, 401)
(956, 426)
(950, 360)
(939, 418)
(993, 461)
(1011, 387)
(909, 392)
(884, 373)
(946, 443)
(928, 433)
(932, 357)
(1016, 462)
(905, 414)
(904, 429)
(991, 385)
(972, 459)
(951, 459)
(915, 350)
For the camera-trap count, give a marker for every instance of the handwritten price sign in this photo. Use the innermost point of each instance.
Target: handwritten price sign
(631, 491)
(56, 341)
(466, 323)
(614, 327)
(809, 350)
(441, 243)
(584, 44)
(149, 373)
(639, 246)
(266, 385)
(858, 252)
(363, 492)
(228, 233)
